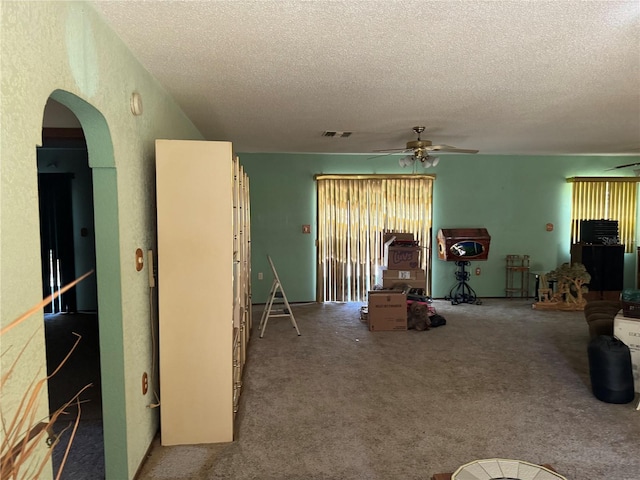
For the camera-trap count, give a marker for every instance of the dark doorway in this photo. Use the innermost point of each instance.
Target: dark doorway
(56, 239)
(68, 251)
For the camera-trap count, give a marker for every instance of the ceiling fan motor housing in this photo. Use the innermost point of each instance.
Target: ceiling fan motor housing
(418, 144)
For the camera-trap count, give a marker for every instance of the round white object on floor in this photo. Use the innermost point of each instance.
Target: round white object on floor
(504, 469)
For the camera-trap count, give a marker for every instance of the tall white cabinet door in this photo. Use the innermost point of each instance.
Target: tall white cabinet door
(195, 290)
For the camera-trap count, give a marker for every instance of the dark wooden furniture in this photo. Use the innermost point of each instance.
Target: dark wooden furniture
(455, 244)
(605, 264)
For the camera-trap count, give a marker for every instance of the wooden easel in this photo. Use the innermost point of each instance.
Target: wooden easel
(276, 292)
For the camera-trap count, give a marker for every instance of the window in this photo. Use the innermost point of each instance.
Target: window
(353, 213)
(606, 198)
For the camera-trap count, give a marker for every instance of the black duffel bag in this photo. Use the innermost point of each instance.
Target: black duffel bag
(610, 370)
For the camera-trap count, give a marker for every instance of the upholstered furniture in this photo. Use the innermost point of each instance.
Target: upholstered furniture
(599, 315)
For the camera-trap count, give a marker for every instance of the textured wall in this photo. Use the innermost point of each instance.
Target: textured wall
(66, 47)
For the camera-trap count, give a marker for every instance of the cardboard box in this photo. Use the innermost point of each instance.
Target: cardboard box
(390, 239)
(398, 237)
(627, 330)
(402, 258)
(415, 278)
(387, 310)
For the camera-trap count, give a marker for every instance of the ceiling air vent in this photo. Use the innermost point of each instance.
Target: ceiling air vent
(336, 134)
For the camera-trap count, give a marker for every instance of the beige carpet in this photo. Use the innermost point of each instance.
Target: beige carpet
(339, 402)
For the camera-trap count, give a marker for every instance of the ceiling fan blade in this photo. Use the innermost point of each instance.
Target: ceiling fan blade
(399, 150)
(623, 166)
(449, 148)
(378, 156)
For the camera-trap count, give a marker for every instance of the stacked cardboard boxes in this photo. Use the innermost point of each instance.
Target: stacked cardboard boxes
(402, 261)
(387, 308)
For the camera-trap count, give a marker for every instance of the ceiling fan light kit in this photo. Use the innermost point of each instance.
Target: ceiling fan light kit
(406, 161)
(426, 160)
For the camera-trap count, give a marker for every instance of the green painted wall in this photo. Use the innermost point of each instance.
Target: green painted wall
(65, 50)
(513, 197)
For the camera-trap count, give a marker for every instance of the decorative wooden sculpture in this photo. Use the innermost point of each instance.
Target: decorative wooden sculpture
(571, 283)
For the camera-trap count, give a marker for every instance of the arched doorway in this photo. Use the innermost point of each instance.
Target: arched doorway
(103, 290)
(67, 238)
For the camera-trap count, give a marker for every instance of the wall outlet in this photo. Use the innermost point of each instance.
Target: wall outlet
(260, 276)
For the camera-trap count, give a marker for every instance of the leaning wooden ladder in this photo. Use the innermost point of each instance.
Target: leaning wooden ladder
(276, 292)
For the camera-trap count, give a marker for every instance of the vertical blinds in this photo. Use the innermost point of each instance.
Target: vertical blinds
(609, 199)
(353, 214)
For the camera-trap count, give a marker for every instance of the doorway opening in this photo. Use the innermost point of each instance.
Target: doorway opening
(68, 250)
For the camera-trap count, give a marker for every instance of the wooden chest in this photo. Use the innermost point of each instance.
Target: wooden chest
(459, 244)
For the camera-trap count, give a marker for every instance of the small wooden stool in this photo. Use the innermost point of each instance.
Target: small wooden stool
(447, 476)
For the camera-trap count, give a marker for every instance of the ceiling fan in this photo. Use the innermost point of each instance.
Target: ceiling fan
(625, 166)
(422, 150)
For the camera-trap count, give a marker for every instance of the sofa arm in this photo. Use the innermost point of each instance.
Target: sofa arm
(611, 307)
(600, 324)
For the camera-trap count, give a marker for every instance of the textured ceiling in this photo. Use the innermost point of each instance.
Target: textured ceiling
(504, 77)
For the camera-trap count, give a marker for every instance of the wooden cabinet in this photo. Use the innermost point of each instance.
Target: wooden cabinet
(204, 291)
(605, 264)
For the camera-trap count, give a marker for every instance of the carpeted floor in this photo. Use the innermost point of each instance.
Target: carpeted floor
(86, 456)
(340, 402)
